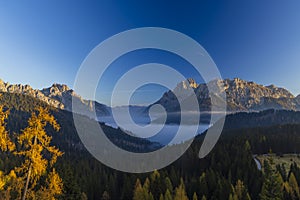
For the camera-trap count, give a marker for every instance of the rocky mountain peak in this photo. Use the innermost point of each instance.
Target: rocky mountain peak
(15, 88)
(192, 83)
(52, 96)
(55, 90)
(186, 85)
(60, 87)
(2, 85)
(271, 86)
(59, 96)
(240, 95)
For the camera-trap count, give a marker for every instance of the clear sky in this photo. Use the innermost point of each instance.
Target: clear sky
(42, 42)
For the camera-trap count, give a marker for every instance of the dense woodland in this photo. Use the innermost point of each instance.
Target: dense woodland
(228, 172)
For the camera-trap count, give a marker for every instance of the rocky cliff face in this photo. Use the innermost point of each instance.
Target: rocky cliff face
(241, 95)
(171, 99)
(252, 96)
(58, 95)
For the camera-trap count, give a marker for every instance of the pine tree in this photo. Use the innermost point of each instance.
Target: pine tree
(168, 195)
(203, 197)
(232, 198)
(203, 185)
(150, 197)
(294, 188)
(247, 146)
(271, 189)
(195, 197)
(146, 185)
(286, 190)
(72, 189)
(168, 184)
(180, 193)
(240, 191)
(138, 191)
(161, 197)
(156, 186)
(282, 171)
(142, 192)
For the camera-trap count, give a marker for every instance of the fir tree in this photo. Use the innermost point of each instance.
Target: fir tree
(271, 189)
(294, 188)
(138, 191)
(240, 191)
(168, 195)
(161, 197)
(195, 197)
(180, 193)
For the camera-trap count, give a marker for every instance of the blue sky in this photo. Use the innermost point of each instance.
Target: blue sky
(46, 42)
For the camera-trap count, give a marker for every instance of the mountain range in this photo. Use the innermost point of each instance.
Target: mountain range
(59, 96)
(22, 99)
(241, 95)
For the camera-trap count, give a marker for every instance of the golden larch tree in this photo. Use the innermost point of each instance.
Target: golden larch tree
(38, 156)
(35, 144)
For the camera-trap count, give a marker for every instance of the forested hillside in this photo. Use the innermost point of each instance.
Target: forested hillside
(228, 172)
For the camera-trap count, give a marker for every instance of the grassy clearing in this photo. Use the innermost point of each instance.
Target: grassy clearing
(285, 159)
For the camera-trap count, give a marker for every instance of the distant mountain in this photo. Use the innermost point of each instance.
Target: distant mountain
(241, 95)
(59, 96)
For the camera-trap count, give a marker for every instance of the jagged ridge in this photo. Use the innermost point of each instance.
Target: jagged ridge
(241, 95)
(58, 95)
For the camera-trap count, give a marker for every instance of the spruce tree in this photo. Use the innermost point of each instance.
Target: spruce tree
(138, 191)
(240, 191)
(180, 193)
(168, 195)
(271, 189)
(294, 188)
(195, 197)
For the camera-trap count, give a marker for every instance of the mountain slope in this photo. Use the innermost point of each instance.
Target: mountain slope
(67, 139)
(59, 96)
(241, 95)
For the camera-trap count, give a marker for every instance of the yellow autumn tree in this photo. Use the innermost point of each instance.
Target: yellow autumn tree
(35, 144)
(10, 181)
(53, 187)
(180, 193)
(38, 158)
(10, 184)
(5, 142)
